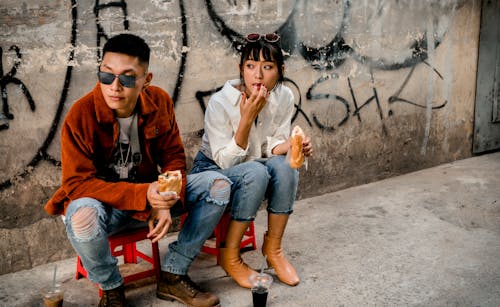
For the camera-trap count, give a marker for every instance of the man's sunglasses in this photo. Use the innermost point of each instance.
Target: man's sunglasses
(108, 78)
(270, 37)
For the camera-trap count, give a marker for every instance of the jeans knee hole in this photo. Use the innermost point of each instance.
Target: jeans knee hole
(221, 190)
(84, 223)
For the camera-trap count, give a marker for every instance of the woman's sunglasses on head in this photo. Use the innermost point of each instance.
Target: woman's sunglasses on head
(270, 37)
(108, 78)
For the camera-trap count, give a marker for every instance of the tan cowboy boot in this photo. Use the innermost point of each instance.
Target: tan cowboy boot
(230, 258)
(272, 249)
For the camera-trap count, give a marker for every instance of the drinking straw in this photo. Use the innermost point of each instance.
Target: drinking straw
(261, 273)
(54, 278)
(262, 266)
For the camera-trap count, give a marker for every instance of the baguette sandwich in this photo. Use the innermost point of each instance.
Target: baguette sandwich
(170, 182)
(296, 154)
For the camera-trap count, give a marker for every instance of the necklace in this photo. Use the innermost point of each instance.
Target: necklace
(123, 164)
(122, 161)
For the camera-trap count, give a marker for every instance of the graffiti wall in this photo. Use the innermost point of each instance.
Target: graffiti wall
(383, 87)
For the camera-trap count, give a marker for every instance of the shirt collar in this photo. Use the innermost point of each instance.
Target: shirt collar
(232, 94)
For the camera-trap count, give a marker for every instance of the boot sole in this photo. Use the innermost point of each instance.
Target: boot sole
(170, 297)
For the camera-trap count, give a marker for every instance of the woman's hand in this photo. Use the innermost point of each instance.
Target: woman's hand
(159, 222)
(158, 201)
(250, 107)
(283, 148)
(249, 110)
(307, 147)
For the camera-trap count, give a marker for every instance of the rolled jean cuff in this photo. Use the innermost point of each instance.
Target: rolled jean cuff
(175, 263)
(111, 286)
(242, 220)
(287, 212)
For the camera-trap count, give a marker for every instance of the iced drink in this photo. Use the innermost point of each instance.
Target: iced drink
(259, 296)
(53, 298)
(260, 288)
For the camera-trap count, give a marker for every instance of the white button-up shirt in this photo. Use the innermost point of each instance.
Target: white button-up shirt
(222, 118)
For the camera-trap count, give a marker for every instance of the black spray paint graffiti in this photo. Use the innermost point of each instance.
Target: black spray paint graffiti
(98, 7)
(41, 154)
(323, 58)
(394, 98)
(9, 78)
(329, 57)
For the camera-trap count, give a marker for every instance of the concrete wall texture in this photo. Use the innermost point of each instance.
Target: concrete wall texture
(383, 87)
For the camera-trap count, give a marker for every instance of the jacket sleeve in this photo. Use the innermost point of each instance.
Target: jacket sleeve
(171, 149)
(79, 172)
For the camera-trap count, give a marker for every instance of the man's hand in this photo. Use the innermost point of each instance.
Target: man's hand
(159, 222)
(158, 201)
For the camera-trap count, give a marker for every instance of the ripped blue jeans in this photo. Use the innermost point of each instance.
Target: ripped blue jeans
(207, 195)
(253, 181)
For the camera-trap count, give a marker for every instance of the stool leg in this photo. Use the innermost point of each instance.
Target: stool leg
(218, 231)
(130, 253)
(221, 233)
(252, 235)
(156, 260)
(80, 270)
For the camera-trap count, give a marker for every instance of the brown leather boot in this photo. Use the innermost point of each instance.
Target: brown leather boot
(272, 249)
(184, 290)
(230, 258)
(113, 298)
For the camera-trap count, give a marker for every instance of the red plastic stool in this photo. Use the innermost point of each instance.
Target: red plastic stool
(220, 233)
(127, 241)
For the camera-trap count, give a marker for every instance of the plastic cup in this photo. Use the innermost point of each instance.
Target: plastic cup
(260, 288)
(259, 296)
(53, 296)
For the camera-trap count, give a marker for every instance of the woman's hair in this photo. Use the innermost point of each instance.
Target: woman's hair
(270, 52)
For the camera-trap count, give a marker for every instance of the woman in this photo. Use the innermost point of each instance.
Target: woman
(247, 137)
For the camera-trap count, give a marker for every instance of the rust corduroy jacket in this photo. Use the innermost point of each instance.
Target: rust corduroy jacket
(88, 138)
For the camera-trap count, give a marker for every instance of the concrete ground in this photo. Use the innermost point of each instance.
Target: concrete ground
(429, 238)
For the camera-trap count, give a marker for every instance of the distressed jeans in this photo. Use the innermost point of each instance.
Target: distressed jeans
(204, 204)
(253, 181)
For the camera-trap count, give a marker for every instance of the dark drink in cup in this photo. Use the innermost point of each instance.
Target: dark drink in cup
(259, 296)
(260, 288)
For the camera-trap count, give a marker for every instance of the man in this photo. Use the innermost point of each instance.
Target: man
(114, 139)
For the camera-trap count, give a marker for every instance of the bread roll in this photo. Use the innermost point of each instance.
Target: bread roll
(296, 154)
(170, 181)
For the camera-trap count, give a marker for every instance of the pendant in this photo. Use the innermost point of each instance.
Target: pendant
(123, 172)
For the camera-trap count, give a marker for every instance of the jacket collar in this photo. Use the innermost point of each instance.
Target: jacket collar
(106, 115)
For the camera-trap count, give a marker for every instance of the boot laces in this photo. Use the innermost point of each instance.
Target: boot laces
(190, 285)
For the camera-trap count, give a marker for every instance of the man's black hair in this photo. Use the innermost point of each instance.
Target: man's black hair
(129, 44)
